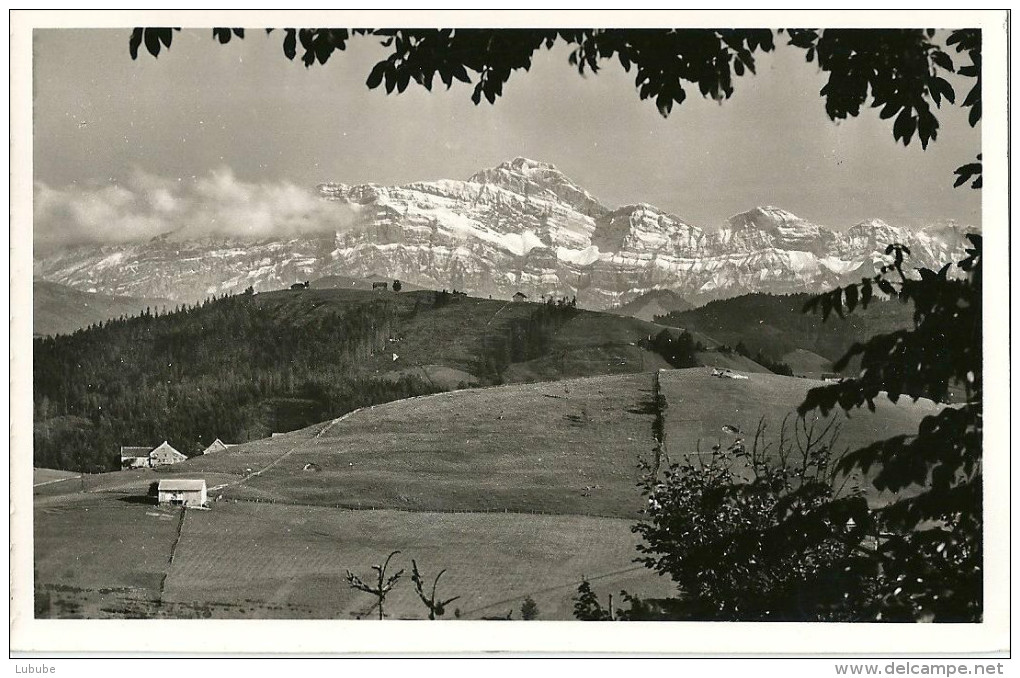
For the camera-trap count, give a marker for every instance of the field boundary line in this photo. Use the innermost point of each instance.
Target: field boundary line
(58, 480)
(448, 511)
(173, 551)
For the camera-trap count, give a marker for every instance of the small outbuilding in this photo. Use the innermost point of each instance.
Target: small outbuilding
(216, 446)
(520, 296)
(134, 457)
(181, 492)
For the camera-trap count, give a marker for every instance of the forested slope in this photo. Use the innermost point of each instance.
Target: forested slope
(242, 367)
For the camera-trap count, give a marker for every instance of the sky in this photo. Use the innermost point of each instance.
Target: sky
(216, 138)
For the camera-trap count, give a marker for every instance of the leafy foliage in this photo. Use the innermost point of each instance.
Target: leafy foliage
(861, 71)
(899, 71)
(587, 606)
(969, 172)
(661, 59)
(931, 554)
(759, 532)
(529, 609)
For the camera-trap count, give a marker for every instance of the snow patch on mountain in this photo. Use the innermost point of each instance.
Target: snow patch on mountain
(520, 226)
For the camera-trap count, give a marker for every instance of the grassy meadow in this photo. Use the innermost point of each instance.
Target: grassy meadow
(517, 491)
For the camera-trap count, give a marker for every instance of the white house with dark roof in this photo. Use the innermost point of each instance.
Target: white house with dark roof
(164, 455)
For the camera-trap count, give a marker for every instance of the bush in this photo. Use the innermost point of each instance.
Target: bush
(529, 609)
(759, 534)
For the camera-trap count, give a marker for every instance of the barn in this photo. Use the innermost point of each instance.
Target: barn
(520, 296)
(164, 454)
(181, 492)
(134, 457)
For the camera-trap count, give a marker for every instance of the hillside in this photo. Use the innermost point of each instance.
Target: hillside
(242, 367)
(59, 309)
(518, 490)
(533, 447)
(345, 282)
(651, 304)
(777, 326)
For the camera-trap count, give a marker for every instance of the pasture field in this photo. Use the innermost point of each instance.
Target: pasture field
(806, 363)
(732, 361)
(516, 490)
(700, 405)
(592, 344)
(112, 546)
(294, 558)
(442, 377)
(133, 482)
(44, 476)
(566, 447)
(250, 560)
(608, 359)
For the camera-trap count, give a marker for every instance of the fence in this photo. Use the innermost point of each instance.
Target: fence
(359, 506)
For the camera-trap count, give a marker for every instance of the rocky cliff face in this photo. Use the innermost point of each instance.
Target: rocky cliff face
(520, 226)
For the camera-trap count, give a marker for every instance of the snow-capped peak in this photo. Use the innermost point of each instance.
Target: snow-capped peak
(767, 217)
(533, 178)
(519, 226)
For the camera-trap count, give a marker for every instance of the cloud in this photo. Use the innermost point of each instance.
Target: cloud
(217, 204)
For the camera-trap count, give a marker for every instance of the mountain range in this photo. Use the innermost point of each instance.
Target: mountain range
(521, 226)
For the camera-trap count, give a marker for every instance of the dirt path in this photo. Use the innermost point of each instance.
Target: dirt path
(58, 480)
(286, 454)
(501, 309)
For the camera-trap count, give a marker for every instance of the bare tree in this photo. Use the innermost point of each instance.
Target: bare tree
(383, 585)
(437, 608)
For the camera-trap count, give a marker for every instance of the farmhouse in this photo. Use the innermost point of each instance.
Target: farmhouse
(164, 455)
(149, 457)
(380, 286)
(181, 492)
(520, 296)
